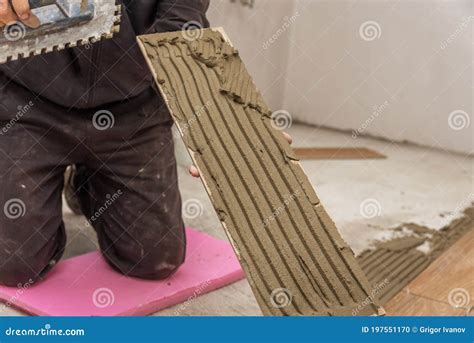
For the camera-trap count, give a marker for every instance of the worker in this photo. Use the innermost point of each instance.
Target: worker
(93, 107)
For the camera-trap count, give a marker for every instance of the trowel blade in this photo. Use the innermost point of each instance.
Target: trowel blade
(101, 22)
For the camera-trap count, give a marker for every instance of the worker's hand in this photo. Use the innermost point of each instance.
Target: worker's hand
(19, 12)
(195, 172)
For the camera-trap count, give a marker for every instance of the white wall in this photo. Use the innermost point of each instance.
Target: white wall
(250, 30)
(402, 85)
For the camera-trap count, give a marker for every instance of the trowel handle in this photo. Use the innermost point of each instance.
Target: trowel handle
(41, 3)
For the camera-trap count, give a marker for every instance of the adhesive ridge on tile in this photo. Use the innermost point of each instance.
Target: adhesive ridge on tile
(294, 258)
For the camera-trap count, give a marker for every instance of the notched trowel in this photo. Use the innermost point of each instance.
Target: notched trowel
(59, 24)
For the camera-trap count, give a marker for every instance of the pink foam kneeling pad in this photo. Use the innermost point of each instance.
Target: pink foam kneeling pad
(87, 286)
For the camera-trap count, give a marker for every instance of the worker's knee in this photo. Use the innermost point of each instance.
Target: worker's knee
(162, 269)
(18, 272)
(158, 263)
(153, 262)
(29, 249)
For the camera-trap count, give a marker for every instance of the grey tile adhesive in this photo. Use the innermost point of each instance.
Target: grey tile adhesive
(293, 256)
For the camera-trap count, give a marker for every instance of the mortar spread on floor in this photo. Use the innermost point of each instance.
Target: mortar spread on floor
(393, 264)
(294, 257)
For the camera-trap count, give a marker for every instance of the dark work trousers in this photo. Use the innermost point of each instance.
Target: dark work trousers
(128, 184)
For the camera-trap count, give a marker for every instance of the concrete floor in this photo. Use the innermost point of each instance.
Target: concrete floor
(366, 199)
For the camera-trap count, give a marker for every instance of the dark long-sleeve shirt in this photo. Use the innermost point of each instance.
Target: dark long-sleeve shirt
(109, 71)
